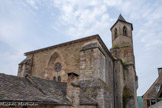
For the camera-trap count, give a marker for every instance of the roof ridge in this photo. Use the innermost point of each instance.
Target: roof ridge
(62, 44)
(28, 77)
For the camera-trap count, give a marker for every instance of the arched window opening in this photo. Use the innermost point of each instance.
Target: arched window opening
(124, 31)
(54, 78)
(115, 33)
(59, 79)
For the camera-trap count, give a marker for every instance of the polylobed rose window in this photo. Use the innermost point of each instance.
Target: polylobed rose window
(58, 67)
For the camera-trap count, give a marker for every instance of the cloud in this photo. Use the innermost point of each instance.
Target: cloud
(33, 3)
(31, 24)
(84, 18)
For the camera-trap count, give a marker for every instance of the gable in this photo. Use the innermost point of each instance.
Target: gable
(151, 92)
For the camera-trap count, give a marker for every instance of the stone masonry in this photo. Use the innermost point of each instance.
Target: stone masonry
(106, 78)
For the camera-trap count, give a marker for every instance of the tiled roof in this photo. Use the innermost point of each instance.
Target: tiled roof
(33, 89)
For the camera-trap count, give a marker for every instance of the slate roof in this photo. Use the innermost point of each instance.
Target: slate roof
(33, 89)
(14, 88)
(157, 105)
(121, 18)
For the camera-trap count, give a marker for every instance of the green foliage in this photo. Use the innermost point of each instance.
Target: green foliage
(115, 46)
(84, 89)
(126, 45)
(124, 63)
(160, 98)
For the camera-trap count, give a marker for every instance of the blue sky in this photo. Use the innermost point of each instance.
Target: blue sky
(26, 25)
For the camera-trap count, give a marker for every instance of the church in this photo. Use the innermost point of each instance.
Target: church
(81, 73)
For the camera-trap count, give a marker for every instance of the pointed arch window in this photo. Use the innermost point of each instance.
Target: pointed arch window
(115, 33)
(59, 79)
(124, 31)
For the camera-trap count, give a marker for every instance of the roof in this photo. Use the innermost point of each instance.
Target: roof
(64, 44)
(15, 88)
(33, 89)
(75, 41)
(121, 18)
(156, 105)
(151, 92)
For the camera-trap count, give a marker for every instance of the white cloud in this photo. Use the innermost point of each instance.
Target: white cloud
(10, 31)
(33, 3)
(83, 18)
(79, 18)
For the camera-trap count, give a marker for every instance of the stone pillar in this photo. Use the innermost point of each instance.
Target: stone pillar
(92, 62)
(25, 67)
(73, 89)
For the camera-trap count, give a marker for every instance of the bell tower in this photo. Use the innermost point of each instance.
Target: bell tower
(122, 42)
(125, 78)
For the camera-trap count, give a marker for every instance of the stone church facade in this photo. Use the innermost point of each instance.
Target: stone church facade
(87, 74)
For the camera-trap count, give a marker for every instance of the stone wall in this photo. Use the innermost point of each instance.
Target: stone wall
(125, 86)
(68, 56)
(122, 40)
(131, 84)
(124, 53)
(98, 90)
(118, 83)
(92, 63)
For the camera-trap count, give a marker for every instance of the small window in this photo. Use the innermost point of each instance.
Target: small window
(153, 101)
(124, 31)
(59, 79)
(115, 33)
(148, 102)
(157, 87)
(54, 78)
(57, 67)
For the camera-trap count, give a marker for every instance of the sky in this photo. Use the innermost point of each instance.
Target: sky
(26, 25)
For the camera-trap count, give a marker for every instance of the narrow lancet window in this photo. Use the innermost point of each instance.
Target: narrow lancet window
(59, 79)
(54, 78)
(115, 33)
(124, 31)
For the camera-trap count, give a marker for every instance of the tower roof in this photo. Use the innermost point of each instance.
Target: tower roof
(121, 18)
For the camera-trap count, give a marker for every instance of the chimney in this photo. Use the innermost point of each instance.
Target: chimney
(73, 89)
(160, 71)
